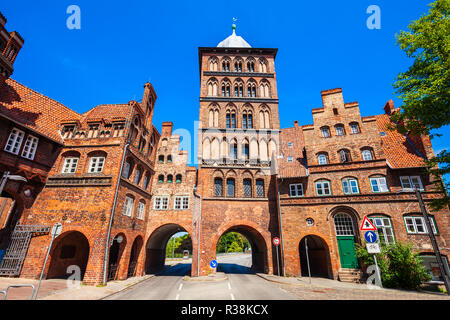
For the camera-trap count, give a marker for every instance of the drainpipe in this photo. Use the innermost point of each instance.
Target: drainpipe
(281, 227)
(108, 236)
(199, 227)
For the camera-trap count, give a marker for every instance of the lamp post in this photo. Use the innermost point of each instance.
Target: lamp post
(437, 252)
(6, 176)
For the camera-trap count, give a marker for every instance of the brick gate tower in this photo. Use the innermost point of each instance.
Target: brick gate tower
(237, 150)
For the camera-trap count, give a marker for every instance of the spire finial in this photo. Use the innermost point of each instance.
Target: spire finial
(233, 26)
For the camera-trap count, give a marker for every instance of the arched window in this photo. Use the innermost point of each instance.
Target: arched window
(169, 159)
(263, 65)
(325, 131)
(146, 181)
(213, 64)
(251, 88)
(226, 88)
(247, 119)
(128, 206)
(344, 155)
(354, 127)
(264, 119)
(161, 178)
(343, 224)
(230, 187)
(96, 161)
(169, 178)
(161, 158)
(127, 169)
(322, 158)
(367, 154)
(218, 187)
(339, 129)
(141, 210)
(238, 66)
(231, 119)
(178, 178)
(265, 89)
(250, 64)
(247, 188)
(378, 184)
(233, 150)
(212, 87)
(71, 160)
(137, 175)
(246, 150)
(238, 88)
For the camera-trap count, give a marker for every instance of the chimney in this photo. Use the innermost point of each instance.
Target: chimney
(166, 129)
(389, 108)
(296, 124)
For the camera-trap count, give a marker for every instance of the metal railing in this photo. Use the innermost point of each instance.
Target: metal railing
(5, 292)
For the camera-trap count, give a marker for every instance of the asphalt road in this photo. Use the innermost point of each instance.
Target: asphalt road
(240, 285)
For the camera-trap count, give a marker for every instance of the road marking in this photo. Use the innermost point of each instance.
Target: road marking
(177, 297)
(232, 296)
(181, 286)
(229, 286)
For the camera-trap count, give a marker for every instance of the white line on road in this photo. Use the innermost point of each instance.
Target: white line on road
(229, 286)
(181, 286)
(177, 297)
(232, 296)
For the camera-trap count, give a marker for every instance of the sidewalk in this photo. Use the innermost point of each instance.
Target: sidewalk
(328, 289)
(58, 289)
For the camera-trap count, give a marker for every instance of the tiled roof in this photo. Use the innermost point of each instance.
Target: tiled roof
(108, 112)
(33, 110)
(400, 151)
(296, 168)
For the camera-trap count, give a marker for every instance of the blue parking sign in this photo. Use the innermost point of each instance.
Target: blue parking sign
(370, 236)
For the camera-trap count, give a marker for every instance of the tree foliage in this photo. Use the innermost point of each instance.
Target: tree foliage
(400, 267)
(232, 242)
(425, 87)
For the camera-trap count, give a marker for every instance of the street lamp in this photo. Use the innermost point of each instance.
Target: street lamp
(7, 176)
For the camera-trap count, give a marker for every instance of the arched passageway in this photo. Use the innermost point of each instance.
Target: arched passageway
(314, 250)
(118, 245)
(257, 249)
(134, 255)
(156, 247)
(70, 248)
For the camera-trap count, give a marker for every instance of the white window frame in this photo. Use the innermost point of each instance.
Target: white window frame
(141, 210)
(68, 165)
(158, 203)
(340, 130)
(354, 128)
(128, 208)
(324, 159)
(366, 153)
(380, 223)
(410, 182)
(94, 164)
(350, 186)
(321, 183)
(325, 132)
(414, 223)
(296, 190)
(14, 141)
(30, 147)
(290, 159)
(182, 205)
(379, 185)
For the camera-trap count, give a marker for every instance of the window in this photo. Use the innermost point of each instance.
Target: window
(169, 178)
(127, 170)
(325, 132)
(350, 186)
(70, 165)
(178, 178)
(161, 203)
(340, 130)
(296, 190)
(247, 188)
(260, 188)
(118, 129)
(96, 164)
(161, 179)
(323, 188)
(146, 181)
(181, 203)
(344, 156)
(141, 210)
(169, 159)
(354, 127)
(378, 184)
(233, 151)
(218, 187)
(416, 225)
(384, 229)
(335, 111)
(128, 208)
(161, 159)
(322, 159)
(137, 176)
(231, 120)
(367, 155)
(142, 143)
(290, 159)
(343, 224)
(290, 144)
(93, 130)
(411, 183)
(245, 151)
(67, 132)
(14, 141)
(30, 147)
(230, 187)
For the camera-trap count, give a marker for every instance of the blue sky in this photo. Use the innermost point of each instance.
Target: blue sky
(122, 45)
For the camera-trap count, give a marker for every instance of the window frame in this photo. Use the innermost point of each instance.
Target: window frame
(350, 187)
(320, 182)
(141, 210)
(378, 185)
(295, 187)
(96, 164)
(323, 156)
(383, 228)
(29, 151)
(421, 218)
(161, 206)
(412, 185)
(128, 208)
(182, 202)
(67, 162)
(15, 140)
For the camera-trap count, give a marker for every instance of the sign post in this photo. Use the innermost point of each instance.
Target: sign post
(372, 246)
(276, 243)
(56, 231)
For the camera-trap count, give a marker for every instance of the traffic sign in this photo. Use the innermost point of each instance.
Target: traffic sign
(276, 241)
(213, 264)
(370, 236)
(366, 225)
(373, 248)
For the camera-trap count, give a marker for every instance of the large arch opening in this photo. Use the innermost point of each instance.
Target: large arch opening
(161, 245)
(71, 248)
(245, 251)
(314, 257)
(116, 250)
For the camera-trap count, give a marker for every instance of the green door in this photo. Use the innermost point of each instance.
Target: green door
(346, 245)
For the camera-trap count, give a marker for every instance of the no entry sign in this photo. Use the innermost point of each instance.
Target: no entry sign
(276, 241)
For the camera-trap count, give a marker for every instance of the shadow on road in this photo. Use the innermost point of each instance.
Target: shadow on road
(234, 268)
(178, 270)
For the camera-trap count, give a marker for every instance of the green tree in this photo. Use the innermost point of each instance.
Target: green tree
(400, 267)
(232, 239)
(425, 87)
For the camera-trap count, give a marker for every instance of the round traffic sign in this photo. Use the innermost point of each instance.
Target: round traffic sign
(213, 264)
(370, 236)
(276, 241)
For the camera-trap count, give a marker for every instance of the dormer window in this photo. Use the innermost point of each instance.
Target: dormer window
(118, 129)
(67, 132)
(93, 130)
